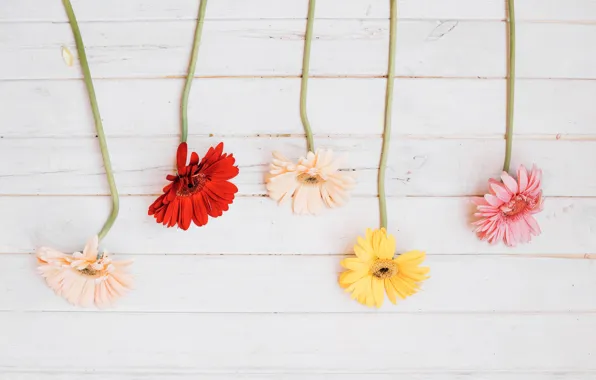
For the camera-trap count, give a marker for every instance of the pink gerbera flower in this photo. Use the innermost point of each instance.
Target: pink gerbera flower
(506, 213)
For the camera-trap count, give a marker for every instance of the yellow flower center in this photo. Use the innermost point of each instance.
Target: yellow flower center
(383, 268)
(309, 179)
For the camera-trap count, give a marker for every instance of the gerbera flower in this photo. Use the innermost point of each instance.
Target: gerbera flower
(85, 278)
(375, 271)
(313, 183)
(198, 190)
(506, 213)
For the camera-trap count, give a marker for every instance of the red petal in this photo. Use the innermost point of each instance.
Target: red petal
(171, 217)
(159, 215)
(200, 217)
(185, 213)
(216, 194)
(155, 205)
(194, 159)
(181, 157)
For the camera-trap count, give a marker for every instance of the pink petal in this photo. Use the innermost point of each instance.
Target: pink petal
(493, 200)
(524, 230)
(509, 182)
(533, 224)
(479, 201)
(508, 237)
(522, 178)
(535, 180)
(501, 192)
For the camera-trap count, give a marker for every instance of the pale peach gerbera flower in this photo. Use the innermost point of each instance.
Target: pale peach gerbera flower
(506, 213)
(313, 183)
(85, 278)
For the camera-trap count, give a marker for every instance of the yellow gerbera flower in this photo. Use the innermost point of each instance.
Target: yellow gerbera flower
(374, 270)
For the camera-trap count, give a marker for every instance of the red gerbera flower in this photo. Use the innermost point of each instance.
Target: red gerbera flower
(199, 190)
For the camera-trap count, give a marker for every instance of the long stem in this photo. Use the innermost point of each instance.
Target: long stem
(388, 112)
(305, 70)
(510, 85)
(97, 118)
(191, 71)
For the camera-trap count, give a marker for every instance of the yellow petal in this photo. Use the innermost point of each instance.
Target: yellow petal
(377, 239)
(391, 293)
(406, 285)
(377, 290)
(361, 290)
(401, 293)
(411, 258)
(354, 264)
(368, 292)
(386, 248)
(414, 276)
(349, 277)
(363, 250)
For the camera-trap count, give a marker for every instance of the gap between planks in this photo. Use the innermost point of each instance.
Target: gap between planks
(314, 76)
(539, 137)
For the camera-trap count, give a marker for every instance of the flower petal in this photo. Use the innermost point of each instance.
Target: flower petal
(522, 178)
(510, 183)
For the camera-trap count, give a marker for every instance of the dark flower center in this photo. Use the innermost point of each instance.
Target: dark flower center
(517, 205)
(308, 179)
(88, 271)
(191, 185)
(383, 268)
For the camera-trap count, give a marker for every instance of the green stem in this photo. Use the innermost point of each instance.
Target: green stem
(97, 118)
(191, 71)
(388, 112)
(510, 84)
(305, 69)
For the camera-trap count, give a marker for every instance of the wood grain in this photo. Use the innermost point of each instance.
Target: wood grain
(437, 225)
(404, 375)
(308, 284)
(417, 167)
(298, 343)
(274, 47)
(553, 10)
(254, 295)
(236, 106)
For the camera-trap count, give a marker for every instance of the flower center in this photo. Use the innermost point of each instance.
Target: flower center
(310, 179)
(88, 271)
(383, 268)
(191, 185)
(516, 205)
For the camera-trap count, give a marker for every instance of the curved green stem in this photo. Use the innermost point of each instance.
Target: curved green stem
(305, 69)
(510, 85)
(97, 118)
(388, 112)
(191, 71)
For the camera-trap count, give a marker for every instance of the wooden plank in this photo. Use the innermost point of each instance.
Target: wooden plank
(308, 284)
(433, 107)
(553, 10)
(27, 10)
(416, 167)
(437, 225)
(403, 375)
(274, 47)
(298, 343)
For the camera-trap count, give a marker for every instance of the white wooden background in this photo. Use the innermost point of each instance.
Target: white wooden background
(254, 295)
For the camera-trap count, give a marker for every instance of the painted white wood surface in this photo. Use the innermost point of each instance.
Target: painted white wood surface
(264, 304)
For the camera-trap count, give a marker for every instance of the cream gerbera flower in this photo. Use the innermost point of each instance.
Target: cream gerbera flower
(85, 278)
(313, 183)
(374, 271)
